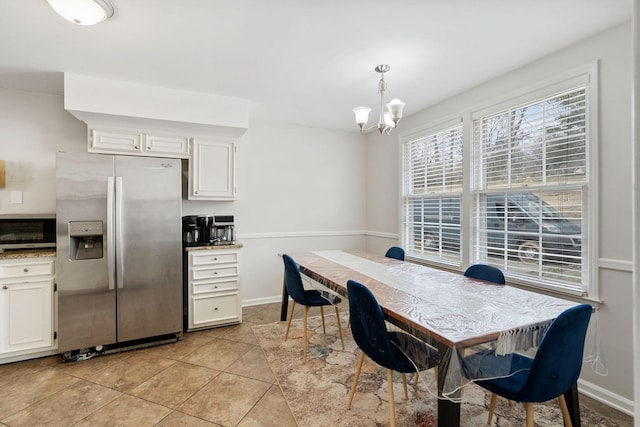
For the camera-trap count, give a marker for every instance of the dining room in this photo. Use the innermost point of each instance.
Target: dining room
(309, 181)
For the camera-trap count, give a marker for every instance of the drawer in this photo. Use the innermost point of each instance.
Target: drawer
(199, 258)
(213, 272)
(215, 286)
(26, 268)
(215, 309)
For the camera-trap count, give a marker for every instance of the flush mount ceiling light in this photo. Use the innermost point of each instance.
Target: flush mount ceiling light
(388, 119)
(83, 12)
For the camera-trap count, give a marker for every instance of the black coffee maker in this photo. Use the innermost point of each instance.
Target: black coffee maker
(205, 224)
(196, 230)
(191, 233)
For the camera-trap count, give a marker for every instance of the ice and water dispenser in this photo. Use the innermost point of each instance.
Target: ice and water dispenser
(85, 240)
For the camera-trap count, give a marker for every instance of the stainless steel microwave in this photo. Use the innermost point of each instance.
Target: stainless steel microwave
(25, 231)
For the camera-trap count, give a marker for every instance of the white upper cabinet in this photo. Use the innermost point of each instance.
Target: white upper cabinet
(212, 169)
(139, 143)
(115, 141)
(178, 146)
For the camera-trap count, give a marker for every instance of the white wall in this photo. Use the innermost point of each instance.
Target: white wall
(32, 128)
(299, 189)
(635, 143)
(613, 49)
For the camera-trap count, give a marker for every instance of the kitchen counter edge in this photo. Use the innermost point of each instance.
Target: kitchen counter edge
(213, 247)
(28, 253)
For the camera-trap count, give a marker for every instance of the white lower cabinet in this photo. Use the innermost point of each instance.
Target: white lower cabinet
(213, 288)
(26, 308)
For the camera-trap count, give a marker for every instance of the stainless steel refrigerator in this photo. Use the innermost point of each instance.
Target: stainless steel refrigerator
(119, 249)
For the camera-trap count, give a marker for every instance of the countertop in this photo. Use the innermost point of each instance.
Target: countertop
(42, 253)
(213, 247)
(27, 253)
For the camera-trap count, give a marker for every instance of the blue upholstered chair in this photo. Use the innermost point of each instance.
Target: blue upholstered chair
(485, 272)
(549, 375)
(306, 298)
(395, 351)
(395, 252)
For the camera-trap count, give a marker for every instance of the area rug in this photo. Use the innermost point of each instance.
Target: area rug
(317, 391)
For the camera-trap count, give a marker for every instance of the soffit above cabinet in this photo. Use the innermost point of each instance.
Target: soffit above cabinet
(103, 102)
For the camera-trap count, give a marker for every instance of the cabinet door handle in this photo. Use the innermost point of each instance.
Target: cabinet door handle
(215, 309)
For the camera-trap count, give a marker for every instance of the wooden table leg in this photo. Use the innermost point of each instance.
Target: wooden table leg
(285, 302)
(448, 411)
(573, 405)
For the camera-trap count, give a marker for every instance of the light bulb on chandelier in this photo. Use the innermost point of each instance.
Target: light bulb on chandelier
(388, 119)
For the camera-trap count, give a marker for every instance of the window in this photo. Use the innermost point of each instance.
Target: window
(432, 192)
(513, 190)
(529, 187)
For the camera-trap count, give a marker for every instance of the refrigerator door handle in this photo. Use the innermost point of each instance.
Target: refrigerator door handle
(111, 247)
(118, 230)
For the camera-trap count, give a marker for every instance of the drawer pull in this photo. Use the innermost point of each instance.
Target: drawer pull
(215, 287)
(215, 258)
(215, 272)
(215, 309)
(5, 287)
(26, 270)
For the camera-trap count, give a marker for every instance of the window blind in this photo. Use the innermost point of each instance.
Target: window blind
(432, 187)
(530, 185)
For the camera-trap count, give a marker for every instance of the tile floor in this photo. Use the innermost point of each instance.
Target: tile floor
(216, 377)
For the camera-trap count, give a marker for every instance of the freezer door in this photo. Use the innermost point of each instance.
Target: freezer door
(86, 300)
(148, 208)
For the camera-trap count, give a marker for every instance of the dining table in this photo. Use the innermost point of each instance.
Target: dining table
(449, 311)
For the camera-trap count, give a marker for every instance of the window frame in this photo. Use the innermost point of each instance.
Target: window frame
(585, 75)
(420, 133)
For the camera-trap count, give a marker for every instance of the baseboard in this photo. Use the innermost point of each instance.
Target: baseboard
(606, 397)
(261, 301)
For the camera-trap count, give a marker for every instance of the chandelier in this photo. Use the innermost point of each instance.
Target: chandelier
(388, 119)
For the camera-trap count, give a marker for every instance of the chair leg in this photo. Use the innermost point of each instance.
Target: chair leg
(415, 379)
(324, 330)
(286, 335)
(565, 411)
(304, 357)
(392, 405)
(355, 380)
(529, 408)
(492, 407)
(339, 325)
(404, 386)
